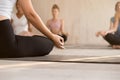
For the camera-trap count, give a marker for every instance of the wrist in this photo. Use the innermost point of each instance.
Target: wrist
(52, 36)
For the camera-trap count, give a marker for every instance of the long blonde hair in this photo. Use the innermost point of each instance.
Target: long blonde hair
(116, 5)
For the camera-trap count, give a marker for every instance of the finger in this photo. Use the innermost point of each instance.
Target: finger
(62, 47)
(61, 43)
(59, 46)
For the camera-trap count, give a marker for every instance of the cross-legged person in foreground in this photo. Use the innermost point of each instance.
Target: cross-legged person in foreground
(24, 46)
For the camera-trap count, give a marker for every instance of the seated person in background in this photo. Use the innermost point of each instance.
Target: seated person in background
(55, 24)
(21, 25)
(112, 36)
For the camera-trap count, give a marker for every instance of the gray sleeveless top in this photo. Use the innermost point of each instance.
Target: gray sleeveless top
(118, 30)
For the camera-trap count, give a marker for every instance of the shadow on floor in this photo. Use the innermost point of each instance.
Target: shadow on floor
(88, 47)
(70, 59)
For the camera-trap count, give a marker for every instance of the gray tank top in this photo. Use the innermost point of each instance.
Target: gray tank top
(118, 30)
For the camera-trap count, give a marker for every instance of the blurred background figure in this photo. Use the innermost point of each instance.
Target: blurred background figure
(112, 36)
(20, 24)
(55, 24)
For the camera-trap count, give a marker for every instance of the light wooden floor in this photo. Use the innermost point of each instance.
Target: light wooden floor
(36, 70)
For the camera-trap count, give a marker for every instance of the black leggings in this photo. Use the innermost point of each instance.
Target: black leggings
(21, 46)
(64, 37)
(112, 39)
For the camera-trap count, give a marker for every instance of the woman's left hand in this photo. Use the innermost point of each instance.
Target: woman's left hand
(58, 41)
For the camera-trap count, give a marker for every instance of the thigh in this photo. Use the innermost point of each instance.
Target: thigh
(113, 39)
(34, 46)
(8, 46)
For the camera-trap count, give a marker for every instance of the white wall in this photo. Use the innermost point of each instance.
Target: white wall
(82, 17)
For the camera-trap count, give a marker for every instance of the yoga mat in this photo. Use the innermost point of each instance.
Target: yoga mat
(115, 59)
(70, 57)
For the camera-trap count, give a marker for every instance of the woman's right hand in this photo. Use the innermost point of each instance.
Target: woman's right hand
(58, 41)
(101, 33)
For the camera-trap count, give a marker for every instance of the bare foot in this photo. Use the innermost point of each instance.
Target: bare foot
(116, 46)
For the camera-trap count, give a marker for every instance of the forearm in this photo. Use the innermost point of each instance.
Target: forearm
(111, 31)
(34, 18)
(36, 21)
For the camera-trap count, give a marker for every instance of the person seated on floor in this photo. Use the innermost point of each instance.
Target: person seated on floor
(21, 25)
(55, 24)
(14, 46)
(112, 36)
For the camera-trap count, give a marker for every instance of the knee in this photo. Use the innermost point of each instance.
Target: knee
(107, 37)
(49, 47)
(110, 39)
